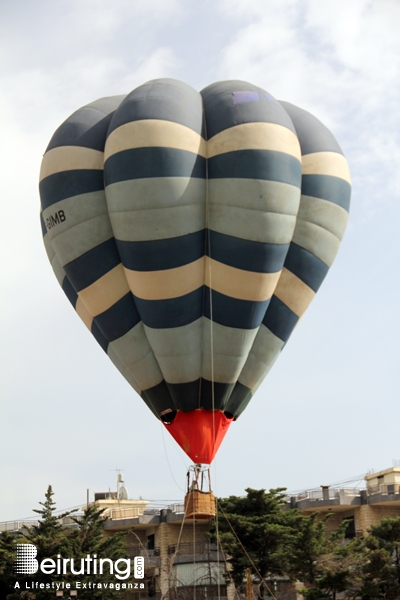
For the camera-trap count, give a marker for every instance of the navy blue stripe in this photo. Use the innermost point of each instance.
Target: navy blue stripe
(165, 99)
(157, 255)
(119, 318)
(238, 400)
(139, 163)
(174, 312)
(171, 253)
(327, 187)
(159, 397)
(69, 291)
(245, 254)
(256, 164)
(280, 319)
(149, 404)
(43, 226)
(231, 312)
(313, 135)
(306, 266)
(92, 265)
(222, 392)
(198, 394)
(66, 184)
(224, 111)
(87, 127)
(97, 334)
(186, 395)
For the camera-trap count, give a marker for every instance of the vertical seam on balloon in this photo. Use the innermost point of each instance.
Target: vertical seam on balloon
(205, 254)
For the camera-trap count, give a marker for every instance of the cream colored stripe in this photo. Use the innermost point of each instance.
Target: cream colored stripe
(68, 158)
(326, 163)
(293, 292)
(173, 283)
(105, 292)
(169, 283)
(255, 136)
(83, 313)
(154, 132)
(237, 283)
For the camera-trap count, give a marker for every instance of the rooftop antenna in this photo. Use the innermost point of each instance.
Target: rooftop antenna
(122, 492)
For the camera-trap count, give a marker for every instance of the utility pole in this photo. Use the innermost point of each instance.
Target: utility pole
(249, 585)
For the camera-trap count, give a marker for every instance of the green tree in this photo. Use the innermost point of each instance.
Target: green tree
(381, 573)
(49, 537)
(252, 531)
(259, 531)
(55, 540)
(89, 538)
(7, 557)
(319, 559)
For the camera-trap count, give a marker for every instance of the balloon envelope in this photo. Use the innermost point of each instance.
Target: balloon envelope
(190, 231)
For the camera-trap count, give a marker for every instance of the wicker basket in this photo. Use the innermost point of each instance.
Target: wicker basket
(199, 505)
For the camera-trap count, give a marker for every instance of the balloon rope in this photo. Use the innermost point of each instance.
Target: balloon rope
(194, 558)
(211, 348)
(171, 560)
(166, 456)
(218, 544)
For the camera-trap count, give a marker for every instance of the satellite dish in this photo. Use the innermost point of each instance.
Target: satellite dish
(123, 493)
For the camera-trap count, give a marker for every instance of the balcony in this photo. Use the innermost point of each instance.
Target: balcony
(151, 557)
(188, 552)
(385, 494)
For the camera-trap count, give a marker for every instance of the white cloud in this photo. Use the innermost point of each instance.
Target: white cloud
(338, 60)
(161, 63)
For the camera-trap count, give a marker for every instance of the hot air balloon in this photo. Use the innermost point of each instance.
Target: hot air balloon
(190, 231)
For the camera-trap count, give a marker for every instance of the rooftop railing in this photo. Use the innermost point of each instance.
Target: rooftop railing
(327, 494)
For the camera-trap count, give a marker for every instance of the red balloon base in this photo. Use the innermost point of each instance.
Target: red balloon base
(199, 433)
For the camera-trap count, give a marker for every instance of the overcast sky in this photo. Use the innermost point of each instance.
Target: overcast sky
(329, 409)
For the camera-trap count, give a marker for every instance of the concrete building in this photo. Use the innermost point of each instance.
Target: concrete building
(362, 507)
(177, 550)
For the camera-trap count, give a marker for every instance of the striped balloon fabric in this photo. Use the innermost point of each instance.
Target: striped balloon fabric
(190, 231)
